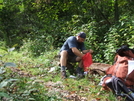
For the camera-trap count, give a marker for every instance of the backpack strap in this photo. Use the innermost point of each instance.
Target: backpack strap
(120, 88)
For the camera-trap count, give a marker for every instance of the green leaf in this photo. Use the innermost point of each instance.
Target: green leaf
(5, 82)
(2, 70)
(3, 48)
(31, 99)
(2, 94)
(9, 64)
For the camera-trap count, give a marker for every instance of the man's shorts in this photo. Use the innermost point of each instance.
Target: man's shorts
(70, 58)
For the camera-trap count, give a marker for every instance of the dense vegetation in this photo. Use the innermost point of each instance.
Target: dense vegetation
(42, 25)
(24, 78)
(32, 31)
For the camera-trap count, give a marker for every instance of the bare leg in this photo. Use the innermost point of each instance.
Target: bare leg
(63, 58)
(63, 63)
(80, 62)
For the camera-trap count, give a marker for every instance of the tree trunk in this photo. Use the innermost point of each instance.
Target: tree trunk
(98, 68)
(116, 13)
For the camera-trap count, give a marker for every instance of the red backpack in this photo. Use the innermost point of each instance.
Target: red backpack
(117, 77)
(120, 69)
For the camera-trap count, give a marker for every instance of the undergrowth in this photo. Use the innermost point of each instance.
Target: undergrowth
(25, 78)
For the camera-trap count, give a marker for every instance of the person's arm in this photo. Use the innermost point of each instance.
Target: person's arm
(77, 52)
(89, 50)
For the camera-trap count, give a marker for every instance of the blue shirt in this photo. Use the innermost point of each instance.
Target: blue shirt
(70, 43)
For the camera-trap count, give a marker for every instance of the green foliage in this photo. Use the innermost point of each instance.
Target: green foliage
(37, 26)
(16, 82)
(31, 79)
(38, 46)
(117, 36)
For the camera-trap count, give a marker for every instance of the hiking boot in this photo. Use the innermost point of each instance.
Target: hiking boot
(63, 74)
(71, 69)
(80, 72)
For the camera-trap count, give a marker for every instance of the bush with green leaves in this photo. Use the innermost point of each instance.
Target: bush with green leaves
(118, 35)
(40, 26)
(38, 46)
